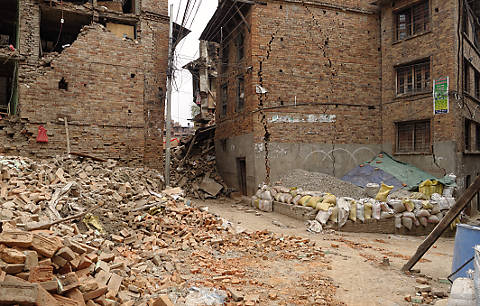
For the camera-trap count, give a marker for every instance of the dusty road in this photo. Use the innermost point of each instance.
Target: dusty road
(354, 258)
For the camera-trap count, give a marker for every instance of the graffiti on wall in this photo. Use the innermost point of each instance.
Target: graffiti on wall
(300, 118)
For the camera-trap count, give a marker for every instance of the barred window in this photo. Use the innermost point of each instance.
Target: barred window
(413, 78)
(413, 137)
(413, 20)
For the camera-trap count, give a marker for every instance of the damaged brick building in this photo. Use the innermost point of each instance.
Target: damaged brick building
(327, 85)
(101, 65)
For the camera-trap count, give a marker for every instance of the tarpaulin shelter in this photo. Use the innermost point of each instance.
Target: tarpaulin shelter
(385, 169)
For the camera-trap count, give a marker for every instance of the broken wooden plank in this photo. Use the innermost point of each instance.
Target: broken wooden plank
(453, 213)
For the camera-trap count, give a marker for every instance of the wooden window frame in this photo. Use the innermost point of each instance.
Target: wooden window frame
(413, 127)
(477, 83)
(467, 81)
(224, 95)
(413, 78)
(240, 44)
(416, 20)
(240, 92)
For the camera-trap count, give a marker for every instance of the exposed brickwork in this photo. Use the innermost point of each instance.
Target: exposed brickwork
(114, 100)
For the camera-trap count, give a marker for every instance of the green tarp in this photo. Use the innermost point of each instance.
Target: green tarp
(405, 173)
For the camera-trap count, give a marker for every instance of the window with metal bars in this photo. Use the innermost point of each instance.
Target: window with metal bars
(413, 78)
(467, 86)
(413, 20)
(240, 92)
(224, 99)
(413, 137)
(477, 84)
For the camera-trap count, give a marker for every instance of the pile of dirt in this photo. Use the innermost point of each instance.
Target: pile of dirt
(321, 182)
(138, 244)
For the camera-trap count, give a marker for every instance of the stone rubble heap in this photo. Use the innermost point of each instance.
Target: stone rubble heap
(136, 245)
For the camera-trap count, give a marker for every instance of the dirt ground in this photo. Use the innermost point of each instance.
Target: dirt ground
(355, 259)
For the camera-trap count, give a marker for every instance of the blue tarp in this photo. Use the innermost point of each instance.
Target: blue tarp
(361, 176)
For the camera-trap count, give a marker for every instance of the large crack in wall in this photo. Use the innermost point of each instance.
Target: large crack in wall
(263, 120)
(333, 73)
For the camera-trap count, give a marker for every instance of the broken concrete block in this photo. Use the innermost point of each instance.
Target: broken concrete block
(45, 246)
(423, 288)
(12, 256)
(210, 186)
(16, 239)
(31, 260)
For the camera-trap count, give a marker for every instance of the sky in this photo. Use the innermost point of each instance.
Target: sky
(187, 50)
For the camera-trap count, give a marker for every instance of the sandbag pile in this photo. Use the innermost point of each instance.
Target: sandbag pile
(416, 209)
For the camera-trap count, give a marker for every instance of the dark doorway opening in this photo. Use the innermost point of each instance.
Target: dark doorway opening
(242, 175)
(7, 85)
(9, 23)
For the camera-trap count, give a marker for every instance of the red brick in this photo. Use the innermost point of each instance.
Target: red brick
(45, 246)
(41, 274)
(16, 239)
(95, 293)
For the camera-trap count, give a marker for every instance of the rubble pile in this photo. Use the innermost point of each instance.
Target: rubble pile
(194, 167)
(81, 232)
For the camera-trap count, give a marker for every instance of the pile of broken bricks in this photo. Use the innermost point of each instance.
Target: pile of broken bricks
(41, 268)
(140, 243)
(424, 294)
(194, 169)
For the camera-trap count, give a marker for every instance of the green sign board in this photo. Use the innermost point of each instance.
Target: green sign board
(440, 96)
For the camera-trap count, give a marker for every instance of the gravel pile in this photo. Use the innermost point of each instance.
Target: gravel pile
(315, 181)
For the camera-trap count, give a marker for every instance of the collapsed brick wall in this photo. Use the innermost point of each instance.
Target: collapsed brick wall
(114, 99)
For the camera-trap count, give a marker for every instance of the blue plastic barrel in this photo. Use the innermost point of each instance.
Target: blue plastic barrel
(466, 238)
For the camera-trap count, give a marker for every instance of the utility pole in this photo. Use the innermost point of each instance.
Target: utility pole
(169, 100)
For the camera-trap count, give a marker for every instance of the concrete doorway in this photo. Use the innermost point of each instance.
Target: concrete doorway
(242, 175)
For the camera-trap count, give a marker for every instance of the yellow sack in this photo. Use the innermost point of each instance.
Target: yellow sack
(324, 206)
(334, 215)
(353, 211)
(427, 205)
(409, 205)
(430, 187)
(330, 198)
(383, 193)
(367, 208)
(313, 202)
(303, 201)
(418, 196)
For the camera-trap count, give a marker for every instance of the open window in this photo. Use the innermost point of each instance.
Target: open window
(240, 92)
(7, 86)
(56, 35)
(9, 23)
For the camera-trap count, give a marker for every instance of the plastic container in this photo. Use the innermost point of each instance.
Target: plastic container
(466, 238)
(462, 293)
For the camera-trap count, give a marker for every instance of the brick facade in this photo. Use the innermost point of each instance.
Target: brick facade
(330, 69)
(113, 99)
